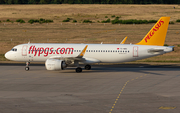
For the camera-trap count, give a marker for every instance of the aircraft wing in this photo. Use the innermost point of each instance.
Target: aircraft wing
(66, 58)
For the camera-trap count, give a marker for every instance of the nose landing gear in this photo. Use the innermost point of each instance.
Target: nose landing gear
(27, 66)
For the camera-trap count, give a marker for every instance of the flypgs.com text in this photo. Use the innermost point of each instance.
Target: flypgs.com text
(49, 50)
(152, 32)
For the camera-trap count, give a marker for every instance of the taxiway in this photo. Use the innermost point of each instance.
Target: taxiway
(104, 89)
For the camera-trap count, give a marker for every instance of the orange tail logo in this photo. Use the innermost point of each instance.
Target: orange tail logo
(155, 28)
(157, 35)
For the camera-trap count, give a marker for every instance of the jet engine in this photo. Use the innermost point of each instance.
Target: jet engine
(55, 64)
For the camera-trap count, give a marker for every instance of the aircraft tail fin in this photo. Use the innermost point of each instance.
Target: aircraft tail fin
(157, 35)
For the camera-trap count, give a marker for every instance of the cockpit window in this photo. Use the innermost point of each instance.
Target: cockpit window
(13, 49)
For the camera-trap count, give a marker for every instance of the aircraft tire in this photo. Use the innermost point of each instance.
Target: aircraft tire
(27, 68)
(78, 69)
(87, 67)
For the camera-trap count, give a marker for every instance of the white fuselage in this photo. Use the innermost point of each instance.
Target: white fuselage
(95, 53)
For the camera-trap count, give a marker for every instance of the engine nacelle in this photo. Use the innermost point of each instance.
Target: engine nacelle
(55, 64)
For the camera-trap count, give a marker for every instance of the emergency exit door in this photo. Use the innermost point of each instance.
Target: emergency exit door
(135, 51)
(24, 50)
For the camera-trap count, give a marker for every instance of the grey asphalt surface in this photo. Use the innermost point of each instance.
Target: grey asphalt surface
(117, 88)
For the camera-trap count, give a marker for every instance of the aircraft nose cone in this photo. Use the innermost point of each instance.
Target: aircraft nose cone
(7, 55)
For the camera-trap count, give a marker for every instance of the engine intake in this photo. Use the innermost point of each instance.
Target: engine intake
(55, 64)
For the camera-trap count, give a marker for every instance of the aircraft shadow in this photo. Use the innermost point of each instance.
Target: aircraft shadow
(142, 68)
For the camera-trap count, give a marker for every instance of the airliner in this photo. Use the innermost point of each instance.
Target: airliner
(59, 56)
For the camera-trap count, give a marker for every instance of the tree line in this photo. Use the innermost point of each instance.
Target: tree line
(89, 1)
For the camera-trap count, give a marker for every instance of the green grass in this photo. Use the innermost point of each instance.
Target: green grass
(87, 21)
(106, 21)
(178, 20)
(66, 20)
(41, 20)
(132, 21)
(20, 20)
(113, 16)
(74, 21)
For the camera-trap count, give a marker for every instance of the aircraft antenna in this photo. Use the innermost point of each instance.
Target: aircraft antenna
(29, 41)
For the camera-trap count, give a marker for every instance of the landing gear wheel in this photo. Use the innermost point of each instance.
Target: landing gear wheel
(78, 69)
(87, 67)
(27, 68)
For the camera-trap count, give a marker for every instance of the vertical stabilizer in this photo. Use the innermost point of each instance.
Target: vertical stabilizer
(157, 35)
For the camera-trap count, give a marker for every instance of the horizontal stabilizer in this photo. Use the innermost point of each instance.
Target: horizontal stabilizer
(155, 50)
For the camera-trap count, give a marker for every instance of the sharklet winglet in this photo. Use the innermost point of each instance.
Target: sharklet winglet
(83, 52)
(124, 40)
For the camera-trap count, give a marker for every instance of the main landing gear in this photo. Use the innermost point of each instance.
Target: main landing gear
(79, 69)
(87, 67)
(27, 66)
